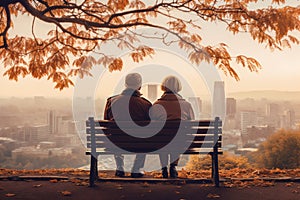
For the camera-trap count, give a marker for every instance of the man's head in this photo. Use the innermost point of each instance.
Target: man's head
(133, 81)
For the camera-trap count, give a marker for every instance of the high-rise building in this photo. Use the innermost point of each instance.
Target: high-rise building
(152, 92)
(38, 133)
(287, 120)
(196, 105)
(230, 107)
(219, 100)
(272, 109)
(248, 119)
(52, 122)
(273, 114)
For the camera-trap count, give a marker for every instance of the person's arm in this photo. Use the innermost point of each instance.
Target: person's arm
(107, 110)
(191, 113)
(157, 112)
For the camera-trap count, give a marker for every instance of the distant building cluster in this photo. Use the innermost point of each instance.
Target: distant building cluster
(57, 137)
(34, 130)
(250, 122)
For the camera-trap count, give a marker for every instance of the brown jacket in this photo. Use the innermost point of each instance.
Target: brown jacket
(175, 106)
(116, 106)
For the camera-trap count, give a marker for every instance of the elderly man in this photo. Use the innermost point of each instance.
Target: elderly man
(116, 109)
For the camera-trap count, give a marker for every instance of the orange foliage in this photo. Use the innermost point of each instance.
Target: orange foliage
(281, 150)
(77, 28)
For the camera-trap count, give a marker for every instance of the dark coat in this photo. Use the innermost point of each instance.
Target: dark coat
(174, 106)
(117, 106)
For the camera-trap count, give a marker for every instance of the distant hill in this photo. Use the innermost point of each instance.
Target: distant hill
(268, 94)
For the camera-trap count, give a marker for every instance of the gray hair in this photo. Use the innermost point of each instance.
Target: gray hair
(133, 81)
(172, 84)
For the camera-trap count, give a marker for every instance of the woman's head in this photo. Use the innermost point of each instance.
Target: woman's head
(171, 84)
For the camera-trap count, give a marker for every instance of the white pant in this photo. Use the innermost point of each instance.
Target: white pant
(139, 162)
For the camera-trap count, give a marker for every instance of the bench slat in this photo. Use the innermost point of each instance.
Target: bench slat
(107, 123)
(146, 131)
(191, 151)
(163, 138)
(151, 145)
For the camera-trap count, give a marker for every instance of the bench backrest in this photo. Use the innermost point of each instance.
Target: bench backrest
(188, 137)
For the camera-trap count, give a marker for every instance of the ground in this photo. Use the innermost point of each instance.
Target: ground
(73, 184)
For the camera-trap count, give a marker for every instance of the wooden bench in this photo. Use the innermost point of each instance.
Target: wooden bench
(182, 137)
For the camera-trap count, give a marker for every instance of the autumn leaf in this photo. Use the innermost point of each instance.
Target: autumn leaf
(53, 181)
(37, 186)
(10, 195)
(116, 64)
(82, 184)
(145, 184)
(212, 196)
(288, 184)
(84, 27)
(66, 193)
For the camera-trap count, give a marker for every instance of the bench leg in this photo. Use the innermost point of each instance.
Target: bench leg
(215, 169)
(93, 170)
(212, 167)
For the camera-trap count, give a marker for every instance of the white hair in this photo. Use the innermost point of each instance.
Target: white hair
(171, 83)
(133, 81)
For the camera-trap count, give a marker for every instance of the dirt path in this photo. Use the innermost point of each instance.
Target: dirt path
(44, 190)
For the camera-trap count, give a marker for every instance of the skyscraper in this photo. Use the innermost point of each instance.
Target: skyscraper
(273, 114)
(230, 107)
(248, 118)
(52, 122)
(219, 100)
(152, 92)
(287, 120)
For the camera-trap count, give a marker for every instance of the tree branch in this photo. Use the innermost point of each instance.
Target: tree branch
(4, 33)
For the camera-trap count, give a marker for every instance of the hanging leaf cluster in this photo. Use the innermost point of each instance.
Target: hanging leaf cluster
(78, 27)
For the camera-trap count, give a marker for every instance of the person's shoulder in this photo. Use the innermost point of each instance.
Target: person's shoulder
(146, 100)
(110, 99)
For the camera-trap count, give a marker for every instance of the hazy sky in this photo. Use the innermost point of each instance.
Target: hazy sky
(281, 69)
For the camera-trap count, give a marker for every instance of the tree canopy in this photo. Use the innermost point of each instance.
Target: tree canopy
(77, 27)
(281, 150)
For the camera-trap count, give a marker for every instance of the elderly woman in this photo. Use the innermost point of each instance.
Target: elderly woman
(171, 106)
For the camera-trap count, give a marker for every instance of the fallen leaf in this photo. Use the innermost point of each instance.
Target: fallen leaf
(82, 184)
(10, 195)
(288, 184)
(149, 191)
(53, 181)
(66, 193)
(145, 184)
(212, 196)
(36, 186)
(75, 180)
(177, 192)
(64, 181)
